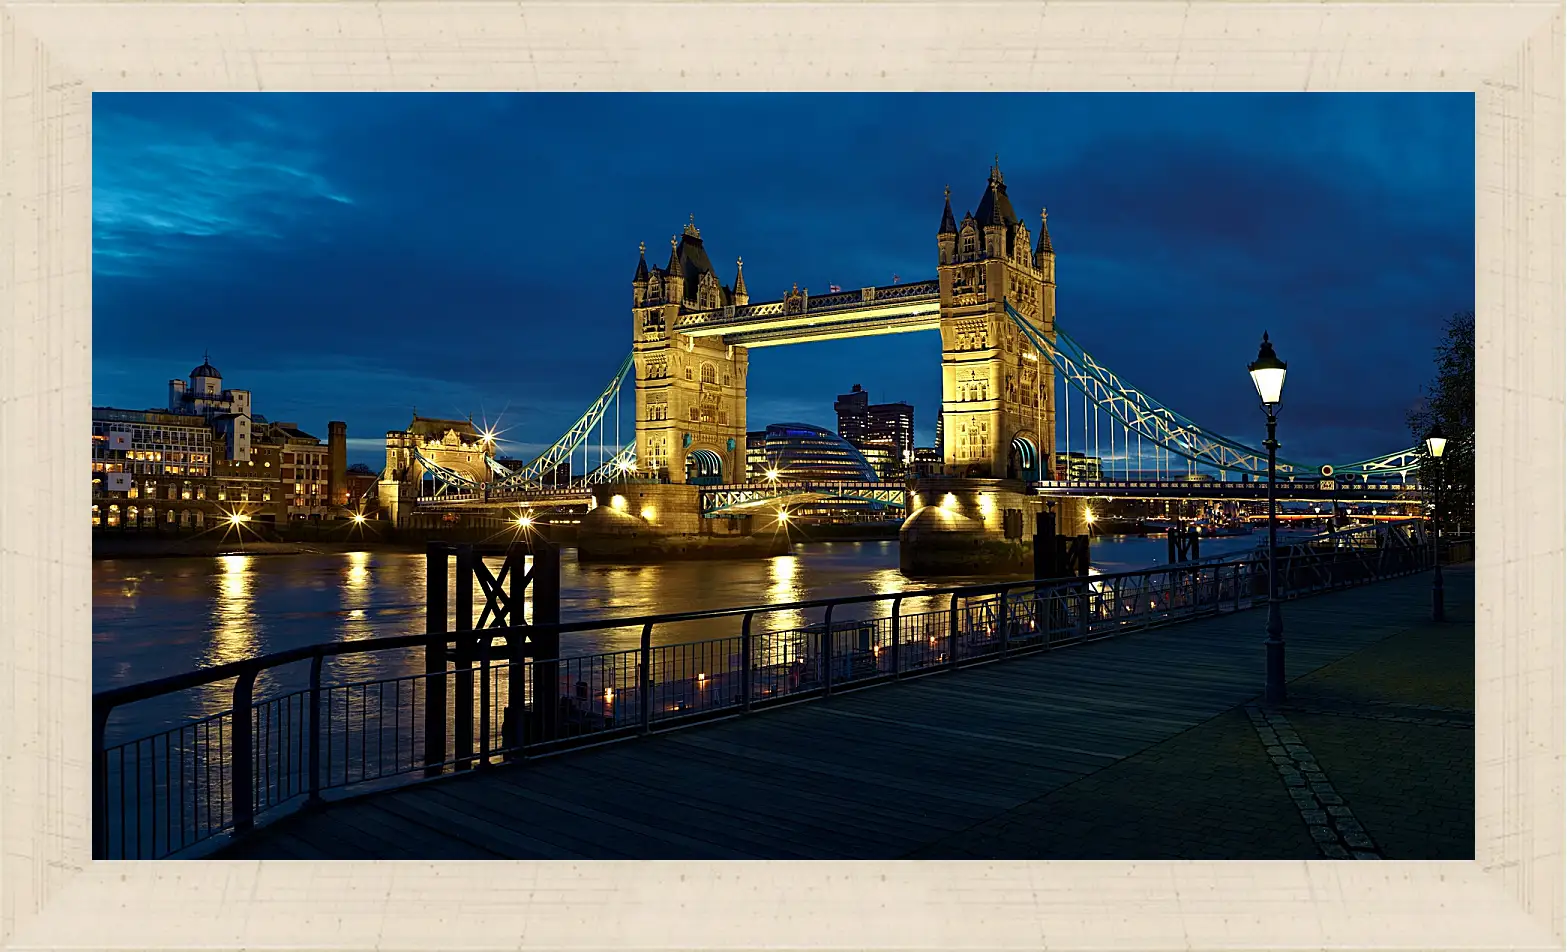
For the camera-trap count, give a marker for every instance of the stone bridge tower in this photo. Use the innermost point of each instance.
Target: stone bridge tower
(997, 391)
(690, 391)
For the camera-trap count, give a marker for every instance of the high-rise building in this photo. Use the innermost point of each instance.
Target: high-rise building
(892, 425)
(756, 455)
(883, 431)
(854, 418)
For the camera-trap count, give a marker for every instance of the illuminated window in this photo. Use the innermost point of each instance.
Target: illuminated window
(709, 374)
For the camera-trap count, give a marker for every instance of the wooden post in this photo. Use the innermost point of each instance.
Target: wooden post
(315, 729)
(952, 635)
(1045, 545)
(462, 661)
(746, 652)
(826, 653)
(546, 645)
(645, 678)
(435, 560)
(897, 636)
(1002, 621)
(242, 753)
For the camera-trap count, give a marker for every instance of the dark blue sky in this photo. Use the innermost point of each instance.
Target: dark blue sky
(353, 256)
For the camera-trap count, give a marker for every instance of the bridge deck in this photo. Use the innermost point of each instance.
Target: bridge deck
(880, 773)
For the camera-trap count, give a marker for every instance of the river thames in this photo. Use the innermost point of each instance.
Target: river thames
(157, 617)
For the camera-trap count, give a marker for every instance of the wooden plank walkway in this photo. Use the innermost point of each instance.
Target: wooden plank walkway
(872, 774)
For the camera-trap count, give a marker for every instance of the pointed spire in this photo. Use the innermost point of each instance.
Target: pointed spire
(995, 171)
(948, 226)
(674, 256)
(740, 276)
(691, 228)
(641, 274)
(1044, 247)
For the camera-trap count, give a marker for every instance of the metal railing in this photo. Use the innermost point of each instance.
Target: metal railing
(159, 794)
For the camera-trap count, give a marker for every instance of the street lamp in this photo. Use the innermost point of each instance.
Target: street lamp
(1436, 443)
(488, 436)
(1267, 373)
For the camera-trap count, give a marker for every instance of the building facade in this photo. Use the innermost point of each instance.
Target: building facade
(206, 458)
(798, 451)
(884, 432)
(998, 417)
(690, 391)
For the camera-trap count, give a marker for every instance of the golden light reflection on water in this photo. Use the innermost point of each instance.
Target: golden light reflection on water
(783, 586)
(234, 624)
(233, 628)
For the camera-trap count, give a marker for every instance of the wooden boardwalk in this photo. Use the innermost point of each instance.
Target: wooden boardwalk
(872, 774)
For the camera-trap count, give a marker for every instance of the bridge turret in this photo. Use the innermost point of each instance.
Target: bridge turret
(947, 234)
(674, 281)
(639, 280)
(741, 296)
(1044, 254)
(995, 215)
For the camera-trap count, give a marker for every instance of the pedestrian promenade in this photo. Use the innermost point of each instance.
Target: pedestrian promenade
(1146, 746)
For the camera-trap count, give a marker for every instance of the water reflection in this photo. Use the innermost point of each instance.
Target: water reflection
(784, 587)
(234, 627)
(160, 617)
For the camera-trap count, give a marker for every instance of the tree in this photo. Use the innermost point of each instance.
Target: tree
(1450, 402)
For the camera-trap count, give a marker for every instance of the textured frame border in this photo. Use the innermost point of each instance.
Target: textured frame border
(53, 55)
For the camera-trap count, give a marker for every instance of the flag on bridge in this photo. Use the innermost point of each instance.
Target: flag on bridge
(834, 288)
(894, 279)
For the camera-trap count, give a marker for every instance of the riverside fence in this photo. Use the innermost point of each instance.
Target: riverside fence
(162, 794)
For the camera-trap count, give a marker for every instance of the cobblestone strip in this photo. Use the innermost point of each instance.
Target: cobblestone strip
(1338, 834)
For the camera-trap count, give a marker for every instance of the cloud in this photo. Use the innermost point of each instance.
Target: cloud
(159, 192)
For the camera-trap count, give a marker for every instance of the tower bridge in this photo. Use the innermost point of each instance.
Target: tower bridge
(1020, 401)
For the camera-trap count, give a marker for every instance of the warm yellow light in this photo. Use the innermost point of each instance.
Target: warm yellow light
(701, 679)
(237, 517)
(1088, 514)
(648, 513)
(772, 475)
(783, 516)
(609, 694)
(949, 502)
(359, 517)
(618, 502)
(627, 465)
(488, 436)
(524, 521)
(986, 504)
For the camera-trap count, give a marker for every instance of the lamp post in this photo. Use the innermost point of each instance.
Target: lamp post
(1436, 442)
(1267, 374)
(488, 438)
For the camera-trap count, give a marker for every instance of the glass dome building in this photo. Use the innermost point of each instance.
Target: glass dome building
(803, 451)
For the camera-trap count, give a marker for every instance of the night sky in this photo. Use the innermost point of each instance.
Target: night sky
(355, 256)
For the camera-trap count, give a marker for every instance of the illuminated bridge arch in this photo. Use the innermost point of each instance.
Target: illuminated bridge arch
(1023, 461)
(704, 468)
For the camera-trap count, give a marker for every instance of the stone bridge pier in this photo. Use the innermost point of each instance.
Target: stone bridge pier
(652, 522)
(977, 527)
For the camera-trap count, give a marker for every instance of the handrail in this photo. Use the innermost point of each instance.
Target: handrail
(300, 742)
(115, 697)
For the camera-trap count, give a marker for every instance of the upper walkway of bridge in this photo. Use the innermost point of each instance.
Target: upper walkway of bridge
(1135, 747)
